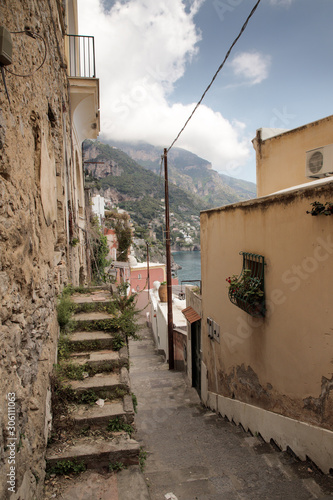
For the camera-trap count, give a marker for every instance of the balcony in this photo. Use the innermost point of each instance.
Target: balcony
(81, 56)
(84, 86)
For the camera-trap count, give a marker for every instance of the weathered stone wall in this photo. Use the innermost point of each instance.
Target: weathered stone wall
(35, 187)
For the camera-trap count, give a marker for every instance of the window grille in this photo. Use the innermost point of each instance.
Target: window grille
(248, 290)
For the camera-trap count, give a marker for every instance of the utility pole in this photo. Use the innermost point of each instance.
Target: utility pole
(148, 267)
(168, 262)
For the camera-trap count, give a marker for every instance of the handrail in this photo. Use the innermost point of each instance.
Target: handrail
(82, 56)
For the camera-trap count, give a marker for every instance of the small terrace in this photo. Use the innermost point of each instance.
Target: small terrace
(84, 86)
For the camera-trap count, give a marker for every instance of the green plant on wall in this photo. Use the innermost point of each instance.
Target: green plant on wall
(126, 307)
(118, 425)
(124, 238)
(120, 223)
(319, 208)
(65, 309)
(100, 250)
(66, 467)
(74, 242)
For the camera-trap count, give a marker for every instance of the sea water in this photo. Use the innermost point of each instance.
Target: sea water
(190, 263)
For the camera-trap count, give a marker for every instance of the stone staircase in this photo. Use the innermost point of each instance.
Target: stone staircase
(96, 436)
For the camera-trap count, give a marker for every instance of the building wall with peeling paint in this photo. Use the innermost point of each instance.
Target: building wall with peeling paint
(282, 362)
(281, 159)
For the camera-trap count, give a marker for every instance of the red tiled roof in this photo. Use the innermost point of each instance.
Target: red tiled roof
(191, 315)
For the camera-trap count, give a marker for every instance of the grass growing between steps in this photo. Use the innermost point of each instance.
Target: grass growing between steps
(121, 307)
(74, 371)
(118, 425)
(135, 402)
(65, 467)
(121, 325)
(116, 466)
(65, 399)
(142, 459)
(70, 290)
(65, 309)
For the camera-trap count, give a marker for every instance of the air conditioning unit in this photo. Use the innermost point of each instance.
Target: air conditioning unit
(319, 162)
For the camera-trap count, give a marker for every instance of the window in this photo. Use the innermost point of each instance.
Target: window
(247, 290)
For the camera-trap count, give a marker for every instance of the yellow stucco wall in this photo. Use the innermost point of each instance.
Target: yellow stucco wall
(281, 159)
(283, 362)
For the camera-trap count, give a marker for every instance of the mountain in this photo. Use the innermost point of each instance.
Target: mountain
(129, 175)
(192, 173)
(140, 192)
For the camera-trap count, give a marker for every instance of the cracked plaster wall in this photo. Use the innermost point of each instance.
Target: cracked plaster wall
(282, 363)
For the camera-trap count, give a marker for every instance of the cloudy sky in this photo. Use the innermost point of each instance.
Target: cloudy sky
(155, 58)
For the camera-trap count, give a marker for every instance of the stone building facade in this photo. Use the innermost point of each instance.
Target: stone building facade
(43, 244)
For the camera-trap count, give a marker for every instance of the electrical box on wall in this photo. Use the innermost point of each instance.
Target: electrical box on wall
(6, 47)
(213, 330)
(210, 327)
(216, 332)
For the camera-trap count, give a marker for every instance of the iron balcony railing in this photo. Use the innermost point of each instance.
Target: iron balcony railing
(81, 56)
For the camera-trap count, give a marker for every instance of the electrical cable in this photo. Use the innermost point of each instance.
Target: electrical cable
(4, 81)
(217, 72)
(35, 36)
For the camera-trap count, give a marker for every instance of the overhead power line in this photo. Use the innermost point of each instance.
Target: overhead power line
(217, 72)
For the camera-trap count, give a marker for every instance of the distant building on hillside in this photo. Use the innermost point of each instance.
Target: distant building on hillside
(98, 207)
(112, 243)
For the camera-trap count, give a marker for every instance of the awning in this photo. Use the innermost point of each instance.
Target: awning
(191, 315)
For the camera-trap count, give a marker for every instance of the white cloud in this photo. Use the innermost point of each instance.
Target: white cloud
(142, 49)
(251, 66)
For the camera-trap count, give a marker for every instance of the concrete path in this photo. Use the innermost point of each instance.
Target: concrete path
(193, 453)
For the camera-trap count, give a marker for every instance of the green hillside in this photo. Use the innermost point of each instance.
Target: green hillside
(143, 189)
(191, 173)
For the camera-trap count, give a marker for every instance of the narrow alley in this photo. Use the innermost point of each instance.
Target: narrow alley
(194, 454)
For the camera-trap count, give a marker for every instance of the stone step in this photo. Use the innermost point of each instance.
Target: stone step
(96, 453)
(92, 316)
(91, 298)
(96, 417)
(94, 302)
(96, 320)
(103, 384)
(128, 484)
(90, 341)
(106, 360)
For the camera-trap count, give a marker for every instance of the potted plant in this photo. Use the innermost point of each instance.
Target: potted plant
(163, 292)
(246, 292)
